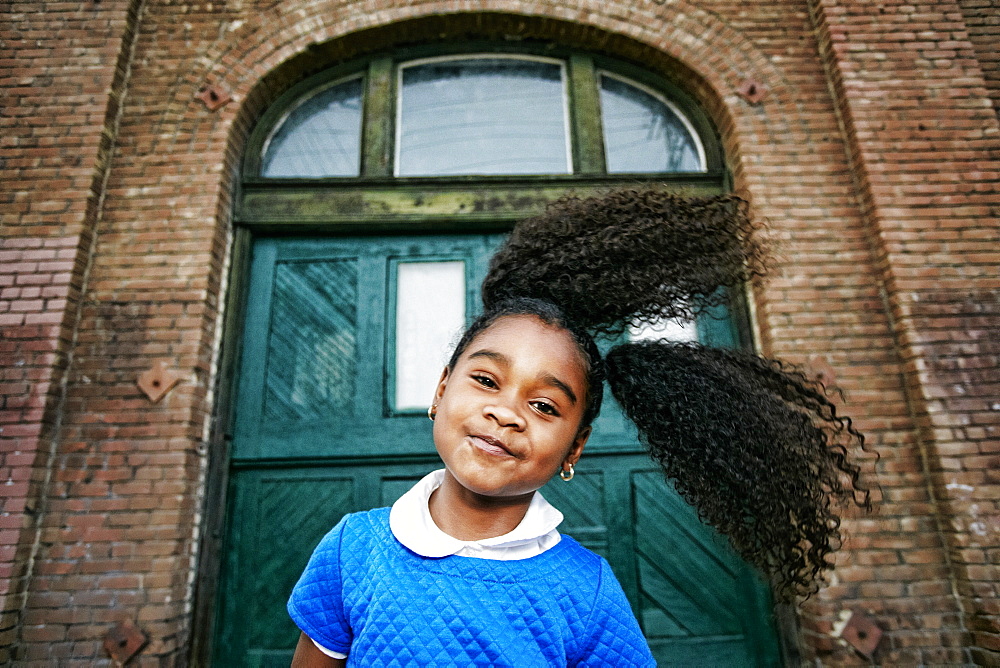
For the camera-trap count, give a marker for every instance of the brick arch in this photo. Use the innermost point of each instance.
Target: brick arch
(259, 59)
(710, 59)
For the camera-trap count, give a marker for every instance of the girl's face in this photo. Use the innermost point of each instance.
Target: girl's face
(509, 411)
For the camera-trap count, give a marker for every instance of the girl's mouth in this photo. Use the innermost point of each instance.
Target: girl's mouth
(490, 445)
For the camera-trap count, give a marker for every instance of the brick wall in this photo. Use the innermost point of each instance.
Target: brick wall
(924, 142)
(982, 20)
(63, 73)
(871, 155)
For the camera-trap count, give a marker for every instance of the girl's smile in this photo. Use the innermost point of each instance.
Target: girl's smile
(509, 411)
(491, 445)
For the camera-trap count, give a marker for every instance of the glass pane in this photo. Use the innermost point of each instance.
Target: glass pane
(430, 313)
(644, 133)
(312, 349)
(671, 330)
(320, 137)
(482, 116)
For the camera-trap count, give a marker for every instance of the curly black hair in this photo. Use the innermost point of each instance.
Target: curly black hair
(629, 257)
(756, 448)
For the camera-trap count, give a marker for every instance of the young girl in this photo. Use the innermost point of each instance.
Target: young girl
(468, 567)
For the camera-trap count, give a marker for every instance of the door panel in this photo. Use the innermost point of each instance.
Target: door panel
(312, 348)
(279, 516)
(319, 341)
(697, 602)
(317, 436)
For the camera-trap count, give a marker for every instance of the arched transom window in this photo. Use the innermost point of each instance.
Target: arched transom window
(470, 141)
(481, 137)
(487, 115)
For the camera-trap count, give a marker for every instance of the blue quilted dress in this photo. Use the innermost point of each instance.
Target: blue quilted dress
(366, 595)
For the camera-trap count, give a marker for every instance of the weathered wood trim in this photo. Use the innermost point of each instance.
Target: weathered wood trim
(379, 119)
(585, 116)
(350, 206)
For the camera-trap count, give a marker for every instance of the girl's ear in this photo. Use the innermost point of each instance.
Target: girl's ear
(573, 456)
(442, 382)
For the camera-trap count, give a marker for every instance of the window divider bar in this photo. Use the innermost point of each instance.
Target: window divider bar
(585, 116)
(379, 119)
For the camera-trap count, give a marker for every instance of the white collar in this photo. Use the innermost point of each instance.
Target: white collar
(411, 523)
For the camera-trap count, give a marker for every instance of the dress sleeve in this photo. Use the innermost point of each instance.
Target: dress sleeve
(316, 604)
(614, 636)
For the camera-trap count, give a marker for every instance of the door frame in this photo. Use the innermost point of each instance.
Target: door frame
(380, 204)
(216, 502)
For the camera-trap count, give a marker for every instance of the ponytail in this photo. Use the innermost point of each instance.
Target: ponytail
(758, 450)
(755, 447)
(629, 257)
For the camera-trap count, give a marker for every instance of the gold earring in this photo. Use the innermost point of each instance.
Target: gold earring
(432, 411)
(567, 475)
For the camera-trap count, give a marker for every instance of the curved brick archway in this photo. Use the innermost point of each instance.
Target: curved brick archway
(678, 42)
(259, 58)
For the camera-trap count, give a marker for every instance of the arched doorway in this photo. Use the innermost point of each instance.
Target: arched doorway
(371, 198)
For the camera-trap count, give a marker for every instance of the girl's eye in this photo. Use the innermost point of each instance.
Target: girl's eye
(485, 381)
(546, 408)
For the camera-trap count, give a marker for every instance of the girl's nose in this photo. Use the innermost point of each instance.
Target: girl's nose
(504, 415)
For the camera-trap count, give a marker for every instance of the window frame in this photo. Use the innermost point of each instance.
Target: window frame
(391, 407)
(379, 201)
(561, 63)
(666, 102)
(295, 106)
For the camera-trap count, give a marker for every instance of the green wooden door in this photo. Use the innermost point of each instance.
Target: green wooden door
(322, 430)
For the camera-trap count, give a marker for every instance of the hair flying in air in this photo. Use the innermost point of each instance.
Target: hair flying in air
(758, 450)
(629, 257)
